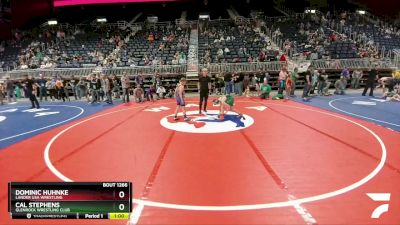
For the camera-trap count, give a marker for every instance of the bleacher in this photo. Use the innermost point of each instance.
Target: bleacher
(322, 46)
(9, 57)
(365, 29)
(82, 46)
(247, 41)
(139, 46)
(243, 39)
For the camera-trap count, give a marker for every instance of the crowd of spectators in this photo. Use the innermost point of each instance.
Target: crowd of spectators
(371, 33)
(328, 36)
(74, 47)
(232, 43)
(313, 36)
(163, 45)
(94, 88)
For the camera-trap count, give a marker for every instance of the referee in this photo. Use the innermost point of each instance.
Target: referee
(30, 89)
(204, 87)
(372, 76)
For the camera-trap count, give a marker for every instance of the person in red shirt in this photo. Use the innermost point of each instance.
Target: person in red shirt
(333, 37)
(150, 38)
(261, 56)
(283, 58)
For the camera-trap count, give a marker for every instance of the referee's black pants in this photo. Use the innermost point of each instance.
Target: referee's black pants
(370, 84)
(203, 98)
(33, 99)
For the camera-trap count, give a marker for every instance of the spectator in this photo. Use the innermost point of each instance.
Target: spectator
(95, 86)
(219, 85)
(236, 81)
(307, 85)
(325, 90)
(294, 77)
(265, 90)
(116, 86)
(67, 86)
(246, 81)
(10, 89)
(2, 91)
(138, 93)
(261, 56)
(356, 77)
(228, 83)
(74, 88)
(60, 89)
(150, 91)
(340, 86)
(345, 73)
(150, 38)
(139, 80)
(283, 58)
(182, 59)
(283, 74)
(321, 82)
(161, 92)
(51, 88)
(125, 84)
(82, 89)
(226, 50)
(220, 53)
(106, 86)
(42, 87)
(314, 80)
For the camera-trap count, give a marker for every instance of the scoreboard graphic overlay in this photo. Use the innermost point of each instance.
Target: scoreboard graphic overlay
(64, 200)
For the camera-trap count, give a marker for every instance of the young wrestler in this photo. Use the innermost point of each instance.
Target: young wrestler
(180, 99)
(227, 103)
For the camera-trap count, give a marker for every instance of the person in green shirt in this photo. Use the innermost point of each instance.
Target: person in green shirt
(227, 103)
(39, 56)
(265, 90)
(18, 89)
(294, 76)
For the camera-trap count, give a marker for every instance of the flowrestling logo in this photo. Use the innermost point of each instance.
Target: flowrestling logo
(207, 122)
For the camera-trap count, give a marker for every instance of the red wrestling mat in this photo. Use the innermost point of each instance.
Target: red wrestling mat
(286, 163)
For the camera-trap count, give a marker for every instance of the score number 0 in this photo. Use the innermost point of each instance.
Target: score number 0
(121, 195)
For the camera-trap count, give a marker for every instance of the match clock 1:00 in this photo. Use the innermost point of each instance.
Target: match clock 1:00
(119, 216)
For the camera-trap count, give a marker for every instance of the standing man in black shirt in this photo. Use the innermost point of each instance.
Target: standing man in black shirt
(240, 84)
(74, 87)
(95, 86)
(204, 86)
(307, 85)
(372, 76)
(30, 87)
(235, 78)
